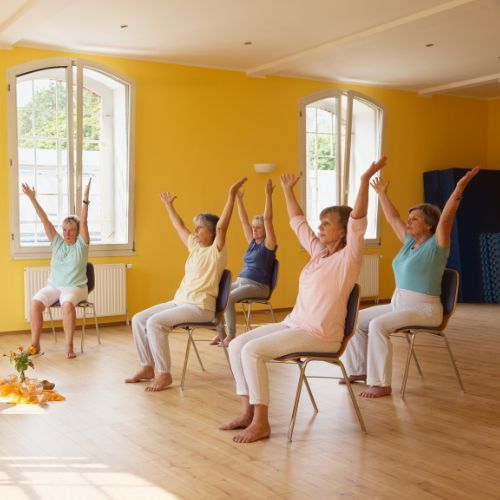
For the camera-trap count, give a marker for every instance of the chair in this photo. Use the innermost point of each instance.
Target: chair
(302, 359)
(449, 293)
(260, 300)
(84, 304)
(220, 307)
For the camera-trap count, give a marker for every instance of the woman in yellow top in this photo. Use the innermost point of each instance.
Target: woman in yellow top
(195, 298)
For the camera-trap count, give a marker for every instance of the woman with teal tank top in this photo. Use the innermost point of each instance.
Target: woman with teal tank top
(255, 278)
(68, 270)
(418, 271)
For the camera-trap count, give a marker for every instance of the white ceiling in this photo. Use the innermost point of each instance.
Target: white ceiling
(380, 43)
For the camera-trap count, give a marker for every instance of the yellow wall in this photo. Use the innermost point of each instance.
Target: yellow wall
(198, 129)
(494, 134)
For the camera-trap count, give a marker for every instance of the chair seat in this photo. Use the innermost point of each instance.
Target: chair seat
(203, 324)
(436, 329)
(294, 355)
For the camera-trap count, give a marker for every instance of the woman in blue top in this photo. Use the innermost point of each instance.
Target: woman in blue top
(418, 270)
(68, 270)
(255, 278)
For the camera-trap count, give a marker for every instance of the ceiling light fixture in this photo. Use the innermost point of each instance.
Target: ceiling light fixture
(247, 43)
(429, 45)
(122, 26)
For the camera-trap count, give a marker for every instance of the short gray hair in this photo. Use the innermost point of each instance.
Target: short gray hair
(72, 219)
(208, 220)
(431, 214)
(259, 218)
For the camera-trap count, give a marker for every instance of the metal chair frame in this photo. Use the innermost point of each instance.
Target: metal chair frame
(221, 303)
(260, 300)
(84, 304)
(449, 294)
(302, 359)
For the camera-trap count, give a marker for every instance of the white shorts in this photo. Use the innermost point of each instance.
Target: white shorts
(50, 294)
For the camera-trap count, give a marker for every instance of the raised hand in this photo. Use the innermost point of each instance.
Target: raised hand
(167, 198)
(87, 190)
(374, 168)
(464, 181)
(379, 185)
(269, 187)
(239, 195)
(288, 181)
(233, 190)
(29, 192)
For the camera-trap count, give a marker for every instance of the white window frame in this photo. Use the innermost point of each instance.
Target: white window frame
(342, 154)
(74, 168)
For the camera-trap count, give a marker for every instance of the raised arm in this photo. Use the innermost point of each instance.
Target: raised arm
(177, 222)
(225, 218)
(50, 230)
(443, 230)
(242, 212)
(84, 227)
(391, 214)
(361, 204)
(270, 241)
(288, 182)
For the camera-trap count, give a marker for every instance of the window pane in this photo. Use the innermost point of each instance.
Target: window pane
(365, 148)
(105, 155)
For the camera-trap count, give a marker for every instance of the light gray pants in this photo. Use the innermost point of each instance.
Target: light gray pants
(152, 326)
(242, 288)
(369, 351)
(250, 352)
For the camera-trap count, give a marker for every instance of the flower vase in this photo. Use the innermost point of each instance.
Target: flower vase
(22, 377)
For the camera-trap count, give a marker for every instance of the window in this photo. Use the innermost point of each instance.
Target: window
(70, 120)
(341, 134)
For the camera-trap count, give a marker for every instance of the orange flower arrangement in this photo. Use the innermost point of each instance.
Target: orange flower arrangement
(21, 359)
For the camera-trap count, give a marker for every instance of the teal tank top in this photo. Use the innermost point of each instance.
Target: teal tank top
(420, 269)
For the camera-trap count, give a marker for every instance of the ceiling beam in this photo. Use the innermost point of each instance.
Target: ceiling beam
(10, 33)
(473, 82)
(273, 66)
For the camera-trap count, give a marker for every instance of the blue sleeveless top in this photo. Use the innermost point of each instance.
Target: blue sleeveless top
(420, 269)
(258, 263)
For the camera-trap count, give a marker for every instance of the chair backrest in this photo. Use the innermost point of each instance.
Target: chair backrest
(274, 277)
(90, 276)
(351, 317)
(449, 294)
(223, 295)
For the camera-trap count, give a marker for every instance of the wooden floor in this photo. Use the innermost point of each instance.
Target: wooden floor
(110, 440)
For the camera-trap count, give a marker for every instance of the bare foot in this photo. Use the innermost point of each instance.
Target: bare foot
(241, 422)
(228, 339)
(144, 374)
(254, 432)
(70, 354)
(160, 383)
(354, 378)
(376, 391)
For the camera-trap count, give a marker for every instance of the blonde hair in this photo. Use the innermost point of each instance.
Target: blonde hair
(72, 219)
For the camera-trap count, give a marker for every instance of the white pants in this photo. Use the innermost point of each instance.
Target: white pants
(152, 326)
(50, 294)
(250, 351)
(369, 351)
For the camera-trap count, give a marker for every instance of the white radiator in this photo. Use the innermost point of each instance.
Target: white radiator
(368, 278)
(109, 294)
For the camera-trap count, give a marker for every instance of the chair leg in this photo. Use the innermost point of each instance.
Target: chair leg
(227, 358)
(452, 359)
(407, 365)
(96, 324)
(296, 403)
(83, 327)
(245, 316)
(197, 353)
(52, 324)
(186, 357)
(311, 397)
(249, 312)
(353, 397)
(414, 356)
(272, 311)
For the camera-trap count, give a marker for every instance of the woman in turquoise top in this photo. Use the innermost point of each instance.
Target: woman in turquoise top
(68, 270)
(418, 270)
(255, 277)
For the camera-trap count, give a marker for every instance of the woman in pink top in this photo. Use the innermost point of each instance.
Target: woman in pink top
(316, 323)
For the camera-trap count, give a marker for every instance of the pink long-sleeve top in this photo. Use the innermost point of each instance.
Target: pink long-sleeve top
(326, 281)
